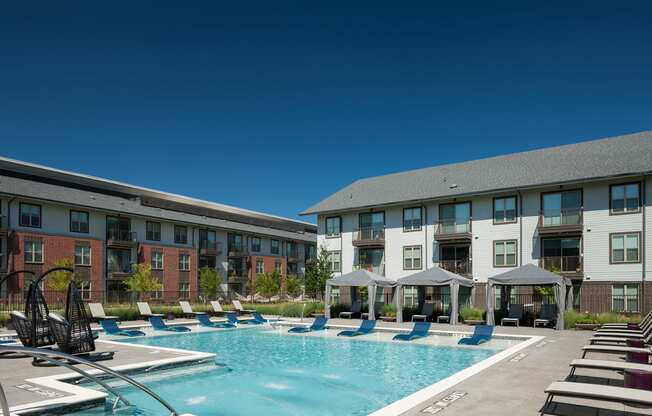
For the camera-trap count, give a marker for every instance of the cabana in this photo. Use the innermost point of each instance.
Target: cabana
(358, 278)
(435, 276)
(530, 275)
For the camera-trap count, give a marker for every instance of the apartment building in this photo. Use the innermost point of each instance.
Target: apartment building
(579, 210)
(104, 227)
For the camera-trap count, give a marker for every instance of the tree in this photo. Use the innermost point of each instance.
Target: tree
(317, 273)
(292, 286)
(142, 280)
(209, 282)
(59, 280)
(268, 284)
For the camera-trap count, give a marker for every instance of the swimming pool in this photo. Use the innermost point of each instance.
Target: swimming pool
(266, 371)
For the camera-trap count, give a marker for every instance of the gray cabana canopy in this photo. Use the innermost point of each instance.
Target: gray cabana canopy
(434, 276)
(357, 278)
(531, 275)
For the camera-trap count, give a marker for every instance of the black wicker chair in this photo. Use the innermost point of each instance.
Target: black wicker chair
(32, 326)
(73, 333)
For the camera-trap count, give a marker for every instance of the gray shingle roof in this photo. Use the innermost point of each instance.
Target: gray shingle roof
(616, 156)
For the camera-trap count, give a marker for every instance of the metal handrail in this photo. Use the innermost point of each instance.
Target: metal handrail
(45, 354)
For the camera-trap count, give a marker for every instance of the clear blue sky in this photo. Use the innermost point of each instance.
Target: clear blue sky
(274, 105)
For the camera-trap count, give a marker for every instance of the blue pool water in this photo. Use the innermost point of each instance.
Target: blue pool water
(272, 373)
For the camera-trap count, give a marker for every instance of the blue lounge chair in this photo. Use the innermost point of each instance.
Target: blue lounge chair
(110, 327)
(159, 325)
(419, 330)
(481, 334)
(204, 320)
(234, 320)
(318, 324)
(366, 327)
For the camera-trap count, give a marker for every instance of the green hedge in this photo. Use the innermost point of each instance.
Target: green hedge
(573, 318)
(469, 313)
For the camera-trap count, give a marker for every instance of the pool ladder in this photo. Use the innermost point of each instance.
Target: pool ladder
(51, 356)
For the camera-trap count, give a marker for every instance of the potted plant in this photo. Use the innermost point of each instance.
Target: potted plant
(388, 312)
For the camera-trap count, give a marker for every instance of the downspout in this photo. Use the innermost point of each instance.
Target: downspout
(425, 232)
(643, 242)
(520, 227)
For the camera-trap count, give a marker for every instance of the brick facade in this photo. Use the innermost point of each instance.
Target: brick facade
(171, 276)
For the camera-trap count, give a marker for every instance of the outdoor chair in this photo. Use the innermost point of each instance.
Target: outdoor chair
(427, 310)
(75, 338)
(356, 308)
(647, 319)
(97, 312)
(110, 327)
(613, 349)
(238, 307)
(515, 315)
(204, 320)
(619, 339)
(145, 311)
(32, 326)
(318, 324)
(187, 309)
(617, 366)
(419, 330)
(234, 320)
(378, 306)
(619, 395)
(547, 316)
(217, 308)
(158, 324)
(366, 327)
(445, 317)
(481, 334)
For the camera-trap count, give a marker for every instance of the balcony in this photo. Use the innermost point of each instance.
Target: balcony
(209, 248)
(453, 230)
(369, 236)
(564, 265)
(561, 221)
(293, 257)
(121, 238)
(378, 269)
(462, 267)
(237, 250)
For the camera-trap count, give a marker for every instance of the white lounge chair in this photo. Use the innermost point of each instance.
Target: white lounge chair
(217, 308)
(617, 339)
(608, 365)
(598, 392)
(612, 349)
(238, 307)
(187, 309)
(144, 309)
(97, 312)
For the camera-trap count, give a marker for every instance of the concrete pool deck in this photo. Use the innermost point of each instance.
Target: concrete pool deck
(515, 385)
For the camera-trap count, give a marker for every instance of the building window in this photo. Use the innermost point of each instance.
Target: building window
(235, 268)
(235, 242)
(505, 210)
(184, 262)
(292, 250)
(505, 253)
(274, 246)
(335, 295)
(624, 298)
(412, 219)
(207, 239)
(158, 294)
(410, 296)
(625, 248)
(118, 260)
(184, 290)
(625, 198)
(334, 257)
(333, 225)
(260, 266)
(255, 244)
(153, 231)
(412, 258)
(79, 222)
(33, 252)
(30, 215)
(85, 289)
(277, 267)
(180, 234)
(157, 260)
(82, 255)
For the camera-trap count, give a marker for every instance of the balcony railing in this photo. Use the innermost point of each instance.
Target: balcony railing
(378, 269)
(210, 248)
(120, 237)
(562, 264)
(369, 236)
(461, 267)
(561, 220)
(453, 229)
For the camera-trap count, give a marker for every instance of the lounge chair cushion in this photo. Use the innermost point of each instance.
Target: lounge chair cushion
(600, 392)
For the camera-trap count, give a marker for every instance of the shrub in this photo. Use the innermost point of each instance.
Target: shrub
(337, 308)
(573, 318)
(469, 313)
(388, 309)
(408, 312)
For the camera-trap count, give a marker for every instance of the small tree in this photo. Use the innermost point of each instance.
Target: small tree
(292, 286)
(209, 282)
(59, 280)
(268, 284)
(317, 273)
(142, 280)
